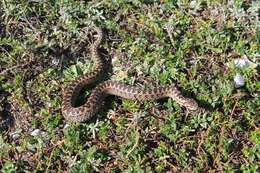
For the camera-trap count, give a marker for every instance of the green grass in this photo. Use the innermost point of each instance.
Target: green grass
(192, 44)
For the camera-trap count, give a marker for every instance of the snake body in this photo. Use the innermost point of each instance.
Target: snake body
(84, 112)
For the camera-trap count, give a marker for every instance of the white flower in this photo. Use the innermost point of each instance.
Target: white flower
(55, 61)
(239, 80)
(241, 62)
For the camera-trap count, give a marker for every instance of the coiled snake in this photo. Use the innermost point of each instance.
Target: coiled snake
(92, 105)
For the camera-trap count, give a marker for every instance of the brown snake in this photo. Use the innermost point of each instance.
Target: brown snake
(87, 110)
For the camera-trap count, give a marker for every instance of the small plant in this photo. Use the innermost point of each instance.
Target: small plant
(193, 44)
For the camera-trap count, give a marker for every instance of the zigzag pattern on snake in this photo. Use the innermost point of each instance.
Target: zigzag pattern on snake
(84, 112)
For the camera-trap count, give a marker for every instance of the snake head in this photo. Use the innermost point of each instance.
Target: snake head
(191, 104)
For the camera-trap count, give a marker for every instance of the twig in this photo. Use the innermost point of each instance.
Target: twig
(4, 72)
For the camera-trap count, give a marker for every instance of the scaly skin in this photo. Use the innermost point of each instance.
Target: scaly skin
(92, 105)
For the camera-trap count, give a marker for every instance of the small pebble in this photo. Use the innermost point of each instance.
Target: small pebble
(15, 135)
(66, 126)
(36, 132)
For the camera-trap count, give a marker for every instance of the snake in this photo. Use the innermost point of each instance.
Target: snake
(84, 112)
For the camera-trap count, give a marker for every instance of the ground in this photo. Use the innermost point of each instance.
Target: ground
(193, 44)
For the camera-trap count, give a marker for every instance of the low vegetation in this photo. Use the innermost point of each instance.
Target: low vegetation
(194, 44)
